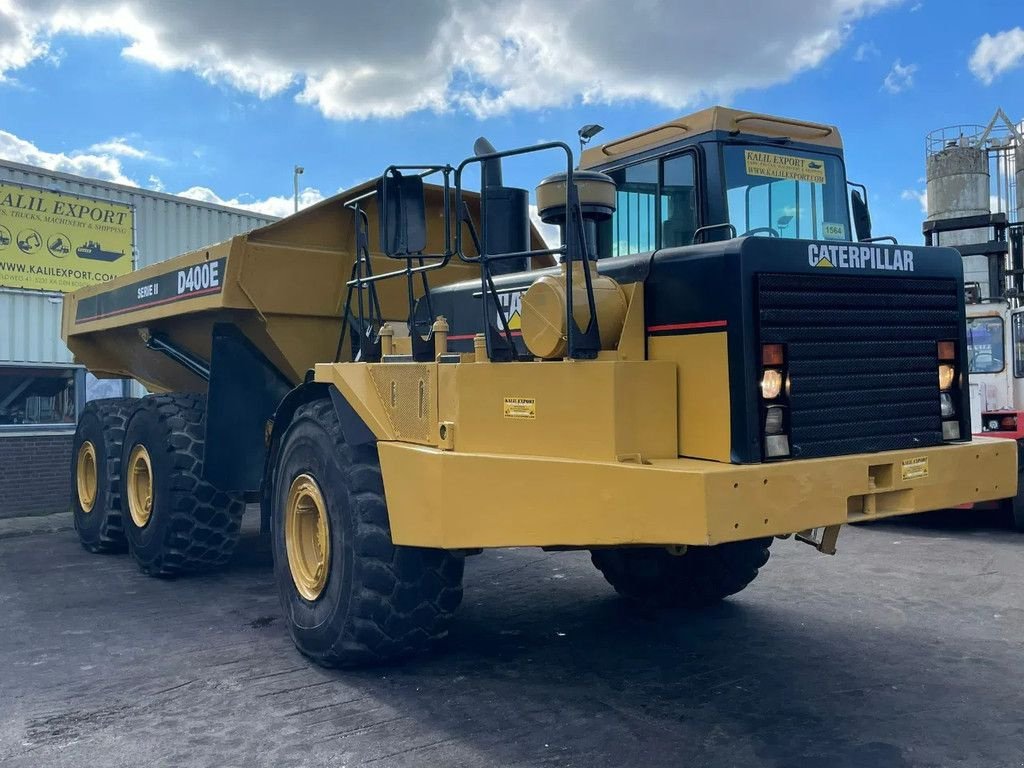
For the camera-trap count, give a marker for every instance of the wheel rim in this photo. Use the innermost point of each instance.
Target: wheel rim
(140, 486)
(86, 476)
(307, 537)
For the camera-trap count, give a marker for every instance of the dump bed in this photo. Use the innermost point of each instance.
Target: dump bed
(283, 285)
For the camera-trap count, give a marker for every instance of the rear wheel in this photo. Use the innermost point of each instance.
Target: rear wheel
(654, 577)
(176, 522)
(96, 474)
(350, 595)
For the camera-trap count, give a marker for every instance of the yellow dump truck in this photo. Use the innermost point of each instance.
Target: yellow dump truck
(406, 374)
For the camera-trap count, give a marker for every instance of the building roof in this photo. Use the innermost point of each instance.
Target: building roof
(71, 178)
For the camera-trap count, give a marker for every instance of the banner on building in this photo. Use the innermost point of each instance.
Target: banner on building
(57, 241)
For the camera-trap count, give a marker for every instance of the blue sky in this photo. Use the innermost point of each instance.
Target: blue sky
(139, 95)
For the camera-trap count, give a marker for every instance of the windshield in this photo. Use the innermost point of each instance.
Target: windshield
(779, 192)
(985, 344)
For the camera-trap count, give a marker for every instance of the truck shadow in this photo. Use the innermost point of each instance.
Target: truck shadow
(538, 676)
(952, 520)
(547, 670)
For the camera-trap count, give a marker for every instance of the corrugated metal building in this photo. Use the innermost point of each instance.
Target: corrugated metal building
(41, 390)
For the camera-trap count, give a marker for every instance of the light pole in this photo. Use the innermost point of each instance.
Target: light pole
(299, 170)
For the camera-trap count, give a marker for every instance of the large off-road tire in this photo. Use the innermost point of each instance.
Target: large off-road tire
(96, 474)
(653, 577)
(174, 520)
(350, 596)
(1015, 506)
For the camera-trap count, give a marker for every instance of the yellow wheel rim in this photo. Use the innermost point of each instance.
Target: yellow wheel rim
(140, 486)
(307, 537)
(86, 476)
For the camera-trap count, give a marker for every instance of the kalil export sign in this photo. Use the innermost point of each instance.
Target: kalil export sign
(56, 241)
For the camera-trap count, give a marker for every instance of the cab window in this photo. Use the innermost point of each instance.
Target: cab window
(1017, 325)
(778, 192)
(656, 207)
(985, 344)
(678, 202)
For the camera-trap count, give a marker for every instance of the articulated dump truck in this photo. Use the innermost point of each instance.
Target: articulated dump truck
(407, 374)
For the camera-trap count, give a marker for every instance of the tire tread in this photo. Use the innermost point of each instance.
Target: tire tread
(652, 578)
(205, 523)
(112, 414)
(403, 598)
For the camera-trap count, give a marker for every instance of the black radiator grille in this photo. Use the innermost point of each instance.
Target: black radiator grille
(861, 358)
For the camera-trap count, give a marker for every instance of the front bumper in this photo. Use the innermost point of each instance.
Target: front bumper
(463, 501)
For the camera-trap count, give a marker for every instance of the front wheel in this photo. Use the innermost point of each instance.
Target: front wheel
(1015, 506)
(350, 595)
(654, 577)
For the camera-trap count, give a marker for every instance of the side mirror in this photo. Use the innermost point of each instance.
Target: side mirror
(861, 215)
(401, 214)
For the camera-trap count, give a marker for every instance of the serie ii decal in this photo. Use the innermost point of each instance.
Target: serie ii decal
(204, 279)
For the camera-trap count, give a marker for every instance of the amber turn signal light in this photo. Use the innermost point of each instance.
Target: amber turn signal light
(771, 354)
(947, 350)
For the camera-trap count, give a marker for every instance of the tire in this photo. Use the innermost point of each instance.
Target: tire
(377, 601)
(97, 507)
(653, 578)
(1015, 506)
(191, 526)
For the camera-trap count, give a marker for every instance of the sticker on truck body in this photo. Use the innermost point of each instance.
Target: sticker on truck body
(520, 408)
(203, 279)
(914, 469)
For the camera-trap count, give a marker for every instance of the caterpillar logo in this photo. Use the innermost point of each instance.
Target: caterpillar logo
(830, 255)
(512, 307)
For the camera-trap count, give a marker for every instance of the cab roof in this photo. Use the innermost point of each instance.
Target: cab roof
(706, 121)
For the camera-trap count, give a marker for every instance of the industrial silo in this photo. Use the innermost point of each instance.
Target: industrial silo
(958, 183)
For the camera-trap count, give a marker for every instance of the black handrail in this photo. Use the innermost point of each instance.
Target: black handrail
(362, 273)
(581, 344)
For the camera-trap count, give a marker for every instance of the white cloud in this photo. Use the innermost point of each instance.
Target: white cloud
(900, 77)
(398, 57)
(95, 165)
(121, 148)
(20, 40)
(276, 205)
(920, 195)
(102, 161)
(551, 233)
(995, 54)
(866, 51)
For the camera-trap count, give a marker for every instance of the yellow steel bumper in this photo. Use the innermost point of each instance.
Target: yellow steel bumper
(446, 499)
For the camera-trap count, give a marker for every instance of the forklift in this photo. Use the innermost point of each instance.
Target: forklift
(995, 335)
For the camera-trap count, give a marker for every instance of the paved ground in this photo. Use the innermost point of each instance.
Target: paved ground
(905, 650)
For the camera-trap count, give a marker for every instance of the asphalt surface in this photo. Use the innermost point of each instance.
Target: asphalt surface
(907, 649)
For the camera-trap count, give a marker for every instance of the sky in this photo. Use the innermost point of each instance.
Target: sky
(220, 100)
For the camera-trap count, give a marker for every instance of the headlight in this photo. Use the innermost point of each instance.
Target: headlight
(771, 383)
(946, 405)
(773, 420)
(946, 374)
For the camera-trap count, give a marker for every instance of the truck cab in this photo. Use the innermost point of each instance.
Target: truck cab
(723, 173)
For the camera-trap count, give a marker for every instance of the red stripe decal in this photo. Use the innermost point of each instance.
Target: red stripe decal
(687, 326)
(469, 336)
